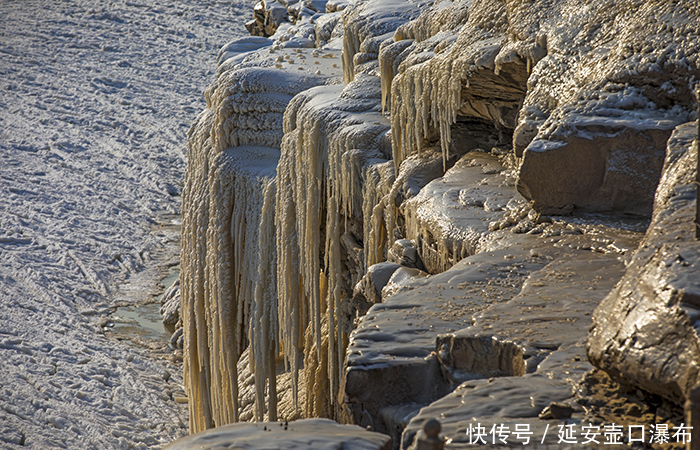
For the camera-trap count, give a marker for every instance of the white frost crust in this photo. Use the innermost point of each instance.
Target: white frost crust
(96, 100)
(319, 434)
(366, 20)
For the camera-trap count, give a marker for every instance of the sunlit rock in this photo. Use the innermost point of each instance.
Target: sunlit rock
(645, 331)
(525, 354)
(595, 164)
(602, 103)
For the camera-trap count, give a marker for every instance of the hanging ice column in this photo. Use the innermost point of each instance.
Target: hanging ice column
(334, 135)
(471, 72)
(228, 252)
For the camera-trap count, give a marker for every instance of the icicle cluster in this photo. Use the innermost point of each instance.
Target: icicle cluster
(426, 96)
(224, 277)
(462, 62)
(228, 252)
(320, 179)
(220, 273)
(332, 188)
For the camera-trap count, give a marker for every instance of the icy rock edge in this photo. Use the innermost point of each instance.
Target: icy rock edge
(320, 434)
(455, 128)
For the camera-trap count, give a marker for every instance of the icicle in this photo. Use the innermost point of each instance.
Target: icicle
(351, 45)
(195, 216)
(333, 259)
(263, 334)
(291, 306)
(426, 96)
(221, 213)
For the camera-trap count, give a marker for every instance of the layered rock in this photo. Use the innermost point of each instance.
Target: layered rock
(391, 358)
(602, 103)
(645, 331)
(526, 354)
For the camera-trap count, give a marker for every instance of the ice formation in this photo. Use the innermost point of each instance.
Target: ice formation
(320, 175)
(458, 125)
(317, 434)
(228, 257)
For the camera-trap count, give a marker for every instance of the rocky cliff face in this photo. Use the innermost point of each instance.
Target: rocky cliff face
(475, 147)
(645, 331)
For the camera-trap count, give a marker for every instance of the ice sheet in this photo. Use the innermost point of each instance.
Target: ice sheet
(95, 101)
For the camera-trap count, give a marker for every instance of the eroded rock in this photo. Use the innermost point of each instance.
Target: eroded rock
(403, 252)
(607, 165)
(602, 103)
(644, 332)
(171, 305)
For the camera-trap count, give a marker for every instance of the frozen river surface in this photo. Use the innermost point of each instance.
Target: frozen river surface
(95, 102)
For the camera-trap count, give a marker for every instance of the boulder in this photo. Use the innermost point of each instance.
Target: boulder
(375, 279)
(595, 165)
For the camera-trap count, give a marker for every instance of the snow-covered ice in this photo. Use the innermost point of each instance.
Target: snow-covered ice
(96, 99)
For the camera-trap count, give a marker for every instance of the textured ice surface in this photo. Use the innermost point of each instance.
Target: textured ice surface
(229, 256)
(309, 434)
(95, 103)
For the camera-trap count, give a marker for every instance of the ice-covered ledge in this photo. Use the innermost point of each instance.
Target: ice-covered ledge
(228, 273)
(316, 434)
